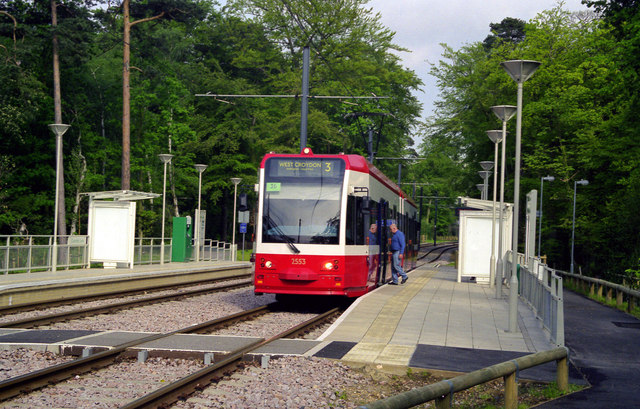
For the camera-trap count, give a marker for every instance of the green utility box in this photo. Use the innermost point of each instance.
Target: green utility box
(182, 233)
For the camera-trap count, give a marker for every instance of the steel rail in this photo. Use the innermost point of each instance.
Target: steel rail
(86, 312)
(28, 382)
(12, 309)
(198, 380)
(443, 248)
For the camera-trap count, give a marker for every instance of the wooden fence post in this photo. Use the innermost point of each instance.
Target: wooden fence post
(510, 391)
(562, 375)
(443, 402)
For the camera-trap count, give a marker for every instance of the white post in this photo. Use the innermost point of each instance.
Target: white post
(520, 71)
(165, 158)
(200, 168)
(235, 196)
(58, 130)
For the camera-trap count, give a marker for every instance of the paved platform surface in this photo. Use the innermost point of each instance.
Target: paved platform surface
(434, 322)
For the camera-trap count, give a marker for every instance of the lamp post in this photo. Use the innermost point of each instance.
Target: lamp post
(496, 137)
(520, 71)
(200, 168)
(235, 196)
(542, 179)
(486, 165)
(58, 130)
(165, 158)
(504, 113)
(484, 174)
(480, 187)
(583, 182)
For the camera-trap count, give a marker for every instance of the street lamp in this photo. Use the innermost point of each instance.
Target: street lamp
(542, 179)
(583, 182)
(200, 168)
(486, 165)
(58, 130)
(235, 196)
(165, 158)
(484, 174)
(520, 71)
(496, 137)
(480, 187)
(504, 113)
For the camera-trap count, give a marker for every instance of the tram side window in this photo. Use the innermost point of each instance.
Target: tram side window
(372, 236)
(357, 221)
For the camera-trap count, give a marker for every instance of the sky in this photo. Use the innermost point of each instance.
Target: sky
(422, 25)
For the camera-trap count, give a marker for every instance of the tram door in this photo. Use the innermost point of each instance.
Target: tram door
(383, 208)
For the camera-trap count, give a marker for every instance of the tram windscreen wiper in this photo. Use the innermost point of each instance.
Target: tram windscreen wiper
(281, 235)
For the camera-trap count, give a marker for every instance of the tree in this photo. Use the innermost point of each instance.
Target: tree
(574, 126)
(510, 30)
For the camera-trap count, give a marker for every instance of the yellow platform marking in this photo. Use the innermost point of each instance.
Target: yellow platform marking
(374, 346)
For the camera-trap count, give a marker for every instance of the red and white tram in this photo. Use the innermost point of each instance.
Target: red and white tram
(323, 225)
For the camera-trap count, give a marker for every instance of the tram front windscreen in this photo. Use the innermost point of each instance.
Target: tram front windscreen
(302, 200)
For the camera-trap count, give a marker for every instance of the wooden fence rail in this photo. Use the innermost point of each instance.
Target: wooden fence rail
(596, 285)
(442, 392)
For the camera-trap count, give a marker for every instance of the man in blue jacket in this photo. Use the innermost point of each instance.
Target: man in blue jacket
(397, 252)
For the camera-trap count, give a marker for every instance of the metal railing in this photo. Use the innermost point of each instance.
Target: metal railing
(597, 286)
(214, 250)
(147, 250)
(542, 289)
(27, 254)
(442, 392)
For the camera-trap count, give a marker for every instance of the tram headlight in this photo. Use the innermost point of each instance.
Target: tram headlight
(268, 264)
(327, 266)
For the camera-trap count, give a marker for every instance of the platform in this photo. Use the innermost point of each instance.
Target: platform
(24, 288)
(436, 323)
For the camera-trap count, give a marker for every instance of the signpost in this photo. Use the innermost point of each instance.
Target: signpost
(243, 220)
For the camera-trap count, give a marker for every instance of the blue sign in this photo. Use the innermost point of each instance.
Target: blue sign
(243, 227)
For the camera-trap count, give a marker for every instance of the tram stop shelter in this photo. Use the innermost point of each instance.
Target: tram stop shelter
(111, 226)
(474, 239)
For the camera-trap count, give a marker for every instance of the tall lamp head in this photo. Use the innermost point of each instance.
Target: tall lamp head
(520, 70)
(504, 112)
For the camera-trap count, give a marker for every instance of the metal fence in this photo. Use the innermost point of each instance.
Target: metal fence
(148, 250)
(214, 250)
(27, 254)
(541, 288)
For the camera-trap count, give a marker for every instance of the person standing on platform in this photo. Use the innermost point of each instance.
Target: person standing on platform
(397, 253)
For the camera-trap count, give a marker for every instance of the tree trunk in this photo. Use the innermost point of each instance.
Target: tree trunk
(126, 97)
(126, 92)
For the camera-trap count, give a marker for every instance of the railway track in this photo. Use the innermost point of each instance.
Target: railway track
(33, 322)
(436, 252)
(186, 386)
(27, 383)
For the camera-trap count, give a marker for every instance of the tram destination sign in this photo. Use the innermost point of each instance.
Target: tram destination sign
(303, 167)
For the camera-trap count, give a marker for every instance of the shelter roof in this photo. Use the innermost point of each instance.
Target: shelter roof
(121, 195)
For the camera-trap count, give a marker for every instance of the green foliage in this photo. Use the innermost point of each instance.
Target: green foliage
(194, 48)
(579, 121)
